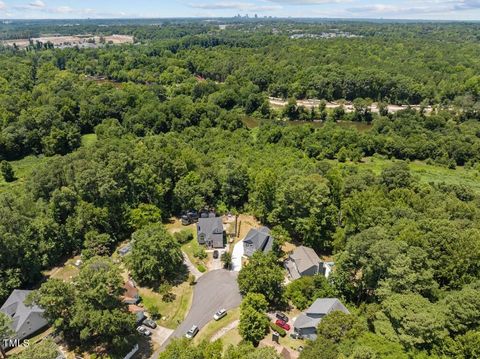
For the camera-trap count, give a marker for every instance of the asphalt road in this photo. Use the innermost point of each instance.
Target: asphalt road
(214, 290)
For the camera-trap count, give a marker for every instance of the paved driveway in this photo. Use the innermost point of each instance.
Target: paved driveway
(237, 255)
(160, 334)
(214, 290)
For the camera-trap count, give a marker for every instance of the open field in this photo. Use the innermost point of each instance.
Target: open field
(71, 41)
(428, 173)
(252, 123)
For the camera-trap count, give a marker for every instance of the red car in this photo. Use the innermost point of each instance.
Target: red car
(282, 324)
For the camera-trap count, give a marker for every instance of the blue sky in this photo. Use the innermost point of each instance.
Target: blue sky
(388, 9)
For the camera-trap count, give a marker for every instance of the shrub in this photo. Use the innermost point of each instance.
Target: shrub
(200, 253)
(277, 329)
(183, 236)
(154, 312)
(201, 268)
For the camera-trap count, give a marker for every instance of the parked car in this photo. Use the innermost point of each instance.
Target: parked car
(144, 331)
(189, 218)
(220, 314)
(215, 254)
(282, 324)
(281, 316)
(295, 335)
(150, 323)
(192, 332)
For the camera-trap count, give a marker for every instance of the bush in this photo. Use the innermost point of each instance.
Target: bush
(277, 329)
(200, 253)
(154, 312)
(201, 268)
(183, 236)
(191, 279)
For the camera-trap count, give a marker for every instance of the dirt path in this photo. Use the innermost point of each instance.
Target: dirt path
(191, 267)
(224, 330)
(309, 103)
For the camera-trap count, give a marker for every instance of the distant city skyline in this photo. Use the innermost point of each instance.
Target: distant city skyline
(386, 9)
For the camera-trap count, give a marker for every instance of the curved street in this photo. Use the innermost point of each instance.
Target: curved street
(214, 290)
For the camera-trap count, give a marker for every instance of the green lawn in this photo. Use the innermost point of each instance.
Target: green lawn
(173, 312)
(232, 337)
(213, 327)
(190, 248)
(429, 173)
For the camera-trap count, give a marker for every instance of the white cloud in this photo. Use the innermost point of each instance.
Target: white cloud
(37, 4)
(62, 10)
(3, 6)
(420, 7)
(309, 2)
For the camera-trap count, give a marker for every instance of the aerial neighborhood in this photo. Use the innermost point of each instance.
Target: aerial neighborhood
(239, 182)
(216, 238)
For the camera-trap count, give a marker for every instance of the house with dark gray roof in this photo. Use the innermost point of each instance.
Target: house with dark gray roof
(26, 319)
(210, 232)
(307, 322)
(257, 239)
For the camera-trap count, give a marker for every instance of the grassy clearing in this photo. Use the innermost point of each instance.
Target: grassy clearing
(66, 272)
(232, 337)
(252, 123)
(429, 173)
(89, 140)
(172, 312)
(290, 343)
(207, 332)
(23, 169)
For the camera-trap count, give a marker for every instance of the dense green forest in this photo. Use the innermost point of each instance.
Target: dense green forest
(170, 115)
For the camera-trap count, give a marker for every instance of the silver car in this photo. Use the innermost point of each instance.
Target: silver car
(220, 314)
(192, 332)
(144, 331)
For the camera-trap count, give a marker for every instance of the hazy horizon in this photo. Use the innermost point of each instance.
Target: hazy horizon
(442, 10)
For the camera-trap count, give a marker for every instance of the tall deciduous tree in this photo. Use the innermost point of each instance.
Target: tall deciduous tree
(144, 215)
(412, 321)
(155, 257)
(5, 331)
(262, 275)
(304, 207)
(253, 321)
(46, 349)
(7, 171)
(89, 311)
